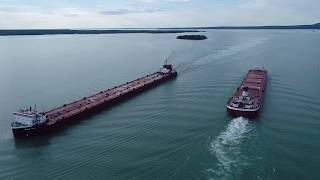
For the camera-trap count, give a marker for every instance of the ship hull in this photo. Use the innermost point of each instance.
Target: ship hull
(240, 113)
(29, 131)
(44, 129)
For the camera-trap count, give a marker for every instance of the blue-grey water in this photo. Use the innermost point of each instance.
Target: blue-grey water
(179, 130)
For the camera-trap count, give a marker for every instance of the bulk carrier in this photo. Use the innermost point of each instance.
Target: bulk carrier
(29, 122)
(247, 100)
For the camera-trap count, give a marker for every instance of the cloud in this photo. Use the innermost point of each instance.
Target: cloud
(173, 1)
(119, 12)
(162, 13)
(268, 12)
(129, 11)
(71, 15)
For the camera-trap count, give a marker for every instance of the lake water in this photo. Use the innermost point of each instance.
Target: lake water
(178, 130)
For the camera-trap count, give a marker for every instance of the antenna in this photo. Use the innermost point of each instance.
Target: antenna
(166, 61)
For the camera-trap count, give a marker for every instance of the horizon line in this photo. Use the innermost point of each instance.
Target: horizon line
(317, 25)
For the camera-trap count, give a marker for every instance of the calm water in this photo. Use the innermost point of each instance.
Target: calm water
(179, 130)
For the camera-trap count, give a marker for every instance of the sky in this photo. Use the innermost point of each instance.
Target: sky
(15, 14)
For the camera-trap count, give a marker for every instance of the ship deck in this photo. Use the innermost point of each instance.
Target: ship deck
(69, 110)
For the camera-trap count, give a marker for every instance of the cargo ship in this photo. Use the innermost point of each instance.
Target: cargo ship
(29, 122)
(247, 100)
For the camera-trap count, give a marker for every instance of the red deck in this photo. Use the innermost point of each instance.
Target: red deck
(69, 110)
(255, 81)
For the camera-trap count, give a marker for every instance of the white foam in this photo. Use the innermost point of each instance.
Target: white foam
(227, 150)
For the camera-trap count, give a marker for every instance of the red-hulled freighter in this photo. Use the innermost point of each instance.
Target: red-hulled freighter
(247, 100)
(29, 122)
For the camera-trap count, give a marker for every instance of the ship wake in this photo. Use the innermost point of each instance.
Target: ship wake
(227, 148)
(218, 56)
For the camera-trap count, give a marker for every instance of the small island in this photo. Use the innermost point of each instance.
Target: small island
(192, 37)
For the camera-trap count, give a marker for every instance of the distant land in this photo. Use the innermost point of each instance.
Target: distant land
(312, 26)
(21, 32)
(16, 32)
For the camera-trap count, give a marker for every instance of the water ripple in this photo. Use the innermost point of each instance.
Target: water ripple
(218, 56)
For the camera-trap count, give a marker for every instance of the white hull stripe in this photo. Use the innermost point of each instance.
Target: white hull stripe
(244, 110)
(22, 127)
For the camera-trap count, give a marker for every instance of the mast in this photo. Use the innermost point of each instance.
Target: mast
(166, 61)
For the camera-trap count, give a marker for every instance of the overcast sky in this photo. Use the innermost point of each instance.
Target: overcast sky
(154, 13)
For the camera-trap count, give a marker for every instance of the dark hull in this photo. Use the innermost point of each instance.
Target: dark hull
(30, 131)
(44, 129)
